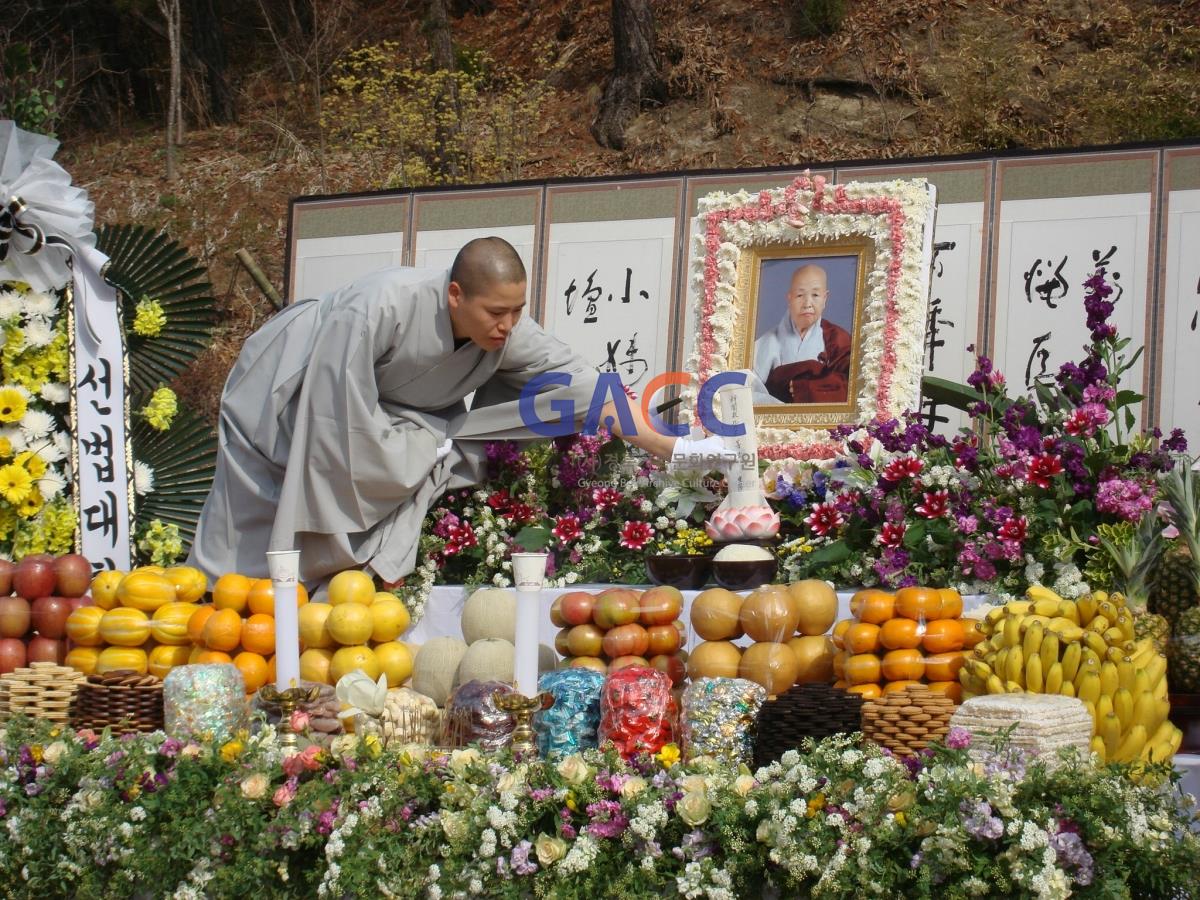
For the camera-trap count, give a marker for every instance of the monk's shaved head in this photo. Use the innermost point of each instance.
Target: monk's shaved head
(485, 263)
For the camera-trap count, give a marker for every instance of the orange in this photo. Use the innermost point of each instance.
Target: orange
(253, 668)
(944, 666)
(972, 633)
(868, 691)
(212, 657)
(271, 669)
(862, 668)
(195, 626)
(903, 665)
(918, 603)
(900, 634)
(230, 591)
(258, 634)
(951, 689)
(872, 606)
(261, 597)
(952, 603)
(839, 633)
(892, 686)
(223, 630)
(943, 635)
(862, 637)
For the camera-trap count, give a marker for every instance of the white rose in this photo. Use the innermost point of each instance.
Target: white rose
(574, 769)
(54, 752)
(694, 784)
(507, 783)
(633, 786)
(694, 809)
(744, 784)
(461, 759)
(453, 825)
(343, 745)
(549, 849)
(255, 786)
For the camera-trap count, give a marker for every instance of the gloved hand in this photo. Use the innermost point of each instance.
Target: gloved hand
(443, 451)
(705, 454)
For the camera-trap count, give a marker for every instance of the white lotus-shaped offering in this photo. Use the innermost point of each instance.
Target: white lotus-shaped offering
(361, 695)
(742, 523)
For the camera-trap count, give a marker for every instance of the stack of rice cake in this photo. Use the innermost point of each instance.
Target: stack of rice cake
(908, 720)
(1044, 722)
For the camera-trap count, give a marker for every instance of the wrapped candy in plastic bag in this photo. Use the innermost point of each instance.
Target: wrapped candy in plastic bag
(637, 711)
(472, 716)
(572, 722)
(718, 718)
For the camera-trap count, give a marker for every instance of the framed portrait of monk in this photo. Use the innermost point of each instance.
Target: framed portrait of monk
(816, 294)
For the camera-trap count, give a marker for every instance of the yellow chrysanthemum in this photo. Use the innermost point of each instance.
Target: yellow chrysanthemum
(31, 505)
(31, 462)
(15, 483)
(150, 318)
(12, 405)
(161, 409)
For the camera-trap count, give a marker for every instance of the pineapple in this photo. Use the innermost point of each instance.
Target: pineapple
(1172, 590)
(1134, 553)
(1183, 673)
(1181, 487)
(1155, 627)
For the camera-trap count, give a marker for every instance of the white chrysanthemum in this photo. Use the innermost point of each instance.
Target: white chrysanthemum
(38, 332)
(36, 424)
(15, 437)
(10, 305)
(143, 478)
(51, 484)
(39, 304)
(55, 392)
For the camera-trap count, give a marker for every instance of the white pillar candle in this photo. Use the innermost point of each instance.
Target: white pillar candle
(284, 566)
(529, 574)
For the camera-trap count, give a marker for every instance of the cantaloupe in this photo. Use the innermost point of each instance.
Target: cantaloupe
(490, 659)
(817, 603)
(436, 668)
(490, 613)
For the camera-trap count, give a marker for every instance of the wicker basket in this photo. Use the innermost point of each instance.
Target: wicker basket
(123, 701)
(43, 690)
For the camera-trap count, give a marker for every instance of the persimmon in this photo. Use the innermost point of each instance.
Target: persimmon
(839, 664)
(872, 606)
(223, 630)
(839, 633)
(951, 689)
(258, 634)
(952, 603)
(943, 635)
(972, 633)
(903, 665)
(230, 591)
(253, 668)
(918, 603)
(901, 634)
(862, 637)
(866, 691)
(944, 666)
(862, 668)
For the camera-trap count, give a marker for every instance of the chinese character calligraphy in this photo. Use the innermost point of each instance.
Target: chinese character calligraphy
(592, 293)
(1053, 288)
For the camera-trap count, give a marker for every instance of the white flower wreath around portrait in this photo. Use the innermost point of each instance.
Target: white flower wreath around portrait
(767, 222)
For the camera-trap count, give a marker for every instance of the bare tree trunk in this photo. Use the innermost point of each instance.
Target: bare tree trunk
(635, 77)
(437, 24)
(171, 12)
(208, 45)
(441, 49)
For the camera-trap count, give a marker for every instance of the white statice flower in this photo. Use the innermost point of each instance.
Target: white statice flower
(37, 303)
(55, 392)
(10, 305)
(143, 478)
(38, 332)
(36, 424)
(51, 484)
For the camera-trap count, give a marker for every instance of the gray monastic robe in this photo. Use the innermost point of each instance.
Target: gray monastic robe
(332, 417)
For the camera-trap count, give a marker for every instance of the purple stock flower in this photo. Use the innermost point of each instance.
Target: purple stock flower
(1071, 852)
(1124, 498)
(978, 820)
(1176, 443)
(958, 738)
(521, 864)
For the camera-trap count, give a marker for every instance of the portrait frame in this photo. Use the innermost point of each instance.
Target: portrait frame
(888, 226)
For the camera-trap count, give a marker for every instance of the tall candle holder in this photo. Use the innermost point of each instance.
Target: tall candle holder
(522, 708)
(529, 575)
(287, 702)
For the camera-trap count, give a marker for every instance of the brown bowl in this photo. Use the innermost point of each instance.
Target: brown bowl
(687, 573)
(741, 575)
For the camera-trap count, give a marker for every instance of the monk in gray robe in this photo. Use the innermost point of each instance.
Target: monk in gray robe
(343, 419)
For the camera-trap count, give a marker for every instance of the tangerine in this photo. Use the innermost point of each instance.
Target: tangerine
(903, 665)
(258, 634)
(253, 667)
(944, 666)
(195, 625)
(223, 630)
(951, 689)
(918, 603)
(862, 668)
(952, 603)
(212, 657)
(866, 691)
(261, 597)
(862, 637)
(900, 634)
(873, 606)
(230, 591)
(839, 633)
(943, 635)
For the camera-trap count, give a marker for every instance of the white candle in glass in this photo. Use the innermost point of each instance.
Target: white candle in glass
(529, 574)
(284, 567)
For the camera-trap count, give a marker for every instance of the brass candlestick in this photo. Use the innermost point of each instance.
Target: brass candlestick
(522, 708)
(288, 702)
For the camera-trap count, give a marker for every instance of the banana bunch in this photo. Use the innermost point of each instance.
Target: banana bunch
(1080, 648)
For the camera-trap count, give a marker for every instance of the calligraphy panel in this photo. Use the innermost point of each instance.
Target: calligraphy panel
(1177, 374)
(443, 223)
(334, 242)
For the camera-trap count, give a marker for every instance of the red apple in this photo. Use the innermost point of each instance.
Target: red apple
(6, 573)
(50, 616)
(34, 578)
(12, 655)
(624, 662)
(585, 640)
(616, 606)
(670, 665)
(594, 663)
(560, 642)
(14, 617)
(577, 607)
(556, 616)
(44, 649)
(663, 639)
(661, 605)
(626, 640)
(73, 575)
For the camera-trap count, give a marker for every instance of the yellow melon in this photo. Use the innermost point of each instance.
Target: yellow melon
(145, 590)
(125, 627)
(190, 583)
(113, 659)
(83, 626)
(164, 658)
(169, 625)
(83, 659)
